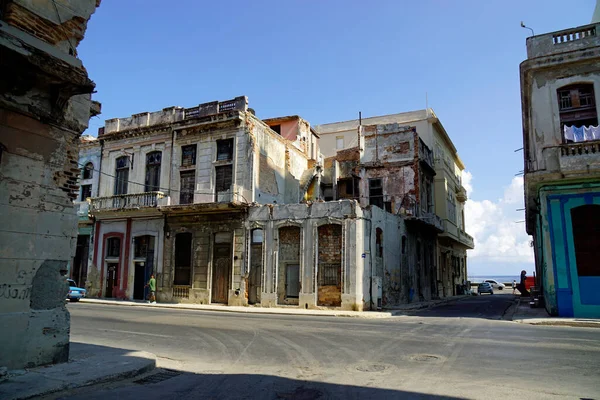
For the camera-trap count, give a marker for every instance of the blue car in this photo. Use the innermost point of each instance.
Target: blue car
(75, 293)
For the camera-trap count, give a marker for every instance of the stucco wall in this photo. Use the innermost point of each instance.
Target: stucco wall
(308, 217)
(136, 149)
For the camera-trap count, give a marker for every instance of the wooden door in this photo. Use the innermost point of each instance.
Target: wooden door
(221, 272)
(111, 279)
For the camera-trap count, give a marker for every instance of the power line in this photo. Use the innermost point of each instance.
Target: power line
(162, 189)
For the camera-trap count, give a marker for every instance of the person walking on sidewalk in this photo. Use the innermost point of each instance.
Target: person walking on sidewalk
(152, 285)
(514, 285)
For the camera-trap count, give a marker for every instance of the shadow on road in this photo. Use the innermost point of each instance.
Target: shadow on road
(486, 306)
(170, 384)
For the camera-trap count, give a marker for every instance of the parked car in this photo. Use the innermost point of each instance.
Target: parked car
(485, 287)
(495, 284)
(75, 293)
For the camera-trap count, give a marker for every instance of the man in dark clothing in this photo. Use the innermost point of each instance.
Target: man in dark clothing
(521, 285)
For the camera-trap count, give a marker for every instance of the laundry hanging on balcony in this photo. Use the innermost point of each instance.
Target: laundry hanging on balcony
(591, 132)
(581, 134)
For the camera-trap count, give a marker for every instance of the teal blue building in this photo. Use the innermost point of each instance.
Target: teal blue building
(561, 146)
(568, 243)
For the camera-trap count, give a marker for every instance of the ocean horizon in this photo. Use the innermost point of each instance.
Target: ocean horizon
(499, 278)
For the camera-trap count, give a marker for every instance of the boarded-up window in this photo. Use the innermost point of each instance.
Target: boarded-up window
(188, 155)
(86, 191)
(376, 193)
(224, 149)
(88, 171)
(183, 259)
(113, 247)
(223, 178)
(188, 181)
(586, 237)
(378, 242)
(153, 161)
(121, 175)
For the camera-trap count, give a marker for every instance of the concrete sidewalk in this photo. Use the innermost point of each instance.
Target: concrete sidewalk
(524, 314)
(284, 310)
(88, 364)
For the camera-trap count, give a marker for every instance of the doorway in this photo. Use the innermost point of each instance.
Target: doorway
(80, 263)
(111, 278)
(143, 253)
(221, 272)
(292, 281)
(139, 283)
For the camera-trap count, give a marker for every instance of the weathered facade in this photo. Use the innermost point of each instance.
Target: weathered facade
(392, 169)
(89, 182)
(561, 140)
(418, 177)
(174, 194)
(45, 105)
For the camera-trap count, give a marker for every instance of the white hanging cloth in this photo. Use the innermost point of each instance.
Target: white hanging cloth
(568, 133)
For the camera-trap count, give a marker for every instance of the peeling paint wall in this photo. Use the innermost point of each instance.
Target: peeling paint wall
(203, 229)
(279, 169)
(43, 112)
(307, 218)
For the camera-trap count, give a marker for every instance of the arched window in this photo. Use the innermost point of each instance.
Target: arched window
(578, 115)
(88, 171)
(121, 175)
(153, 161)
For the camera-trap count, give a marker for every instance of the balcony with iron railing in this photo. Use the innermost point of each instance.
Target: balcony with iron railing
(416, 213)
(426, 155)
(135, 201)
(458, 234)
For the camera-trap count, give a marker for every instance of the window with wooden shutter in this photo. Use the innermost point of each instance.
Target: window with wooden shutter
(188, 181)
(188, 155)
(223, 175)
(225, 150)
(153, 161)
(121, 175)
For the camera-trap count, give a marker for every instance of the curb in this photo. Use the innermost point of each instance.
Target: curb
(421, 306)
(38, 382)
(250, 310)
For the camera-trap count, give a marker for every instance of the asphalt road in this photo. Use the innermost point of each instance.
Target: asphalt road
(453, 351)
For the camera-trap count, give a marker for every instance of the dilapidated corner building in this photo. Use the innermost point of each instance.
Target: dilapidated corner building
(89, 162)
(392, 169)
(561, 145)
(174, 192)
(404, 177)
(45, 105)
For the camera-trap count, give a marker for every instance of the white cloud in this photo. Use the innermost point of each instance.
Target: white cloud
(466, 182)
(514, 193)
(498, 236)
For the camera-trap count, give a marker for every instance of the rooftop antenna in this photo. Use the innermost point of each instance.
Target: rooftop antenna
(526, 27)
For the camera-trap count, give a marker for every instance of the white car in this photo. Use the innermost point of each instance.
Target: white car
(495, 284)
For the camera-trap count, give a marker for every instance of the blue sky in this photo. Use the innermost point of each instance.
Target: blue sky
(328, 60)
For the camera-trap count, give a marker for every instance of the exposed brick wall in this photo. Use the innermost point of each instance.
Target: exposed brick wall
(330, 252)
(68, 179)
(289, 253)
(43, 29)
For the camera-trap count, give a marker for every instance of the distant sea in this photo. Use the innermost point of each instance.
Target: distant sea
(498, 278)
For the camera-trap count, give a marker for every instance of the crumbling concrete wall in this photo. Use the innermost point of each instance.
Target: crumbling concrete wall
(307, 218)
(279, 167)
(203, 229)
(60, 23)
